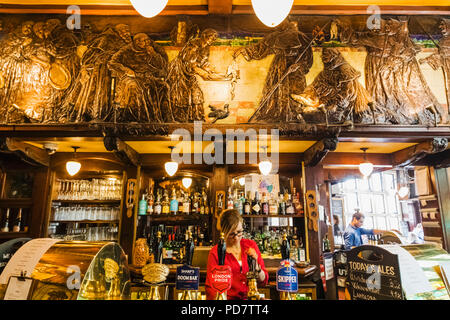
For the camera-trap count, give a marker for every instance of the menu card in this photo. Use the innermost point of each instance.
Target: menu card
(26, 258)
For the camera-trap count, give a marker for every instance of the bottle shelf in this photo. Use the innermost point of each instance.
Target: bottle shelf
(94, 202)
(13, 235)
(271, 216)
(85, 221)
(179, 218)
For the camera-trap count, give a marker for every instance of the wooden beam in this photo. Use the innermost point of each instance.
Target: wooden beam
(414, 153)
(315, 154)
(353, 159)
(27, 152)
(122, 150)
(220, 6)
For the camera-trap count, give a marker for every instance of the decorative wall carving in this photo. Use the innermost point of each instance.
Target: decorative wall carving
(49, 74)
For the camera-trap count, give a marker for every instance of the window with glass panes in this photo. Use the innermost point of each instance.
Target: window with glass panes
(375, 197)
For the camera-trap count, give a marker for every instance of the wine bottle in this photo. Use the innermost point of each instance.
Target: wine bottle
(256, 205)
(247, 204)
(5, 227)
(265, 205)
(150, 203)
(18, 221)
(326, 244)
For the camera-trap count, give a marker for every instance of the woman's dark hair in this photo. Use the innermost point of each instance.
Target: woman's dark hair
(336, 217)
(358, 215)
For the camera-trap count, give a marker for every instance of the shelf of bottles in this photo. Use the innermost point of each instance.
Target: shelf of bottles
(15, 204)
(86, 209)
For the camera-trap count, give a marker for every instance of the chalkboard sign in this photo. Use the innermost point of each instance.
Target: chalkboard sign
(373, 274)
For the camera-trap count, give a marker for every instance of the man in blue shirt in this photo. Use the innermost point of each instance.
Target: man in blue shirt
(352, 235)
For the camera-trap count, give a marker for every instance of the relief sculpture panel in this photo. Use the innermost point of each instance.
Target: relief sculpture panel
(111, 74)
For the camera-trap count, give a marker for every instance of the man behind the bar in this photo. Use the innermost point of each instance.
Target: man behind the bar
(352, 234)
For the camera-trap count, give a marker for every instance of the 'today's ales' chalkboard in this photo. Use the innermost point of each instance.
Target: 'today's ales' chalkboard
(373, 274)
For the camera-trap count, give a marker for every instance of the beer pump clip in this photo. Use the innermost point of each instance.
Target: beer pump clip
(156, 273)
(287, 275)
(221, 276)
(187, 277)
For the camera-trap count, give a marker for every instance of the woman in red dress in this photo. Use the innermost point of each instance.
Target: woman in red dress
(237, 250)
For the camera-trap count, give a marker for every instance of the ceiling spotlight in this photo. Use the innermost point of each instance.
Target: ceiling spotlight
(73, 166)
(149, 8)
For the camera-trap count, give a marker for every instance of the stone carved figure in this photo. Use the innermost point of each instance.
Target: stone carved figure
(441, 59)
(286, 43)
(140, 68)
(392, 74)
(335, 95)
(185, 95)
(89, 97)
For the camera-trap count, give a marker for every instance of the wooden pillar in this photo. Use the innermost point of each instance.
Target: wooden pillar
(313, 180)
(218, 183)
(128, 223)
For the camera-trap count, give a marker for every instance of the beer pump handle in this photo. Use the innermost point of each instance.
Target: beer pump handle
(221, 249)
(157, 250)
(285, 248)
(190, 247)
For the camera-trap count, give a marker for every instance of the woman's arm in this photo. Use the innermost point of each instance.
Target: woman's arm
(263, 275)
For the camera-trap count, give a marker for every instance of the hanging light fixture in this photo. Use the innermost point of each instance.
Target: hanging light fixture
(242, 181)
(265, 166)
(171, 166)
(149, 8)
(365, 167)
(403, 191)
(186, 182)
(272, 12)
(73, 166)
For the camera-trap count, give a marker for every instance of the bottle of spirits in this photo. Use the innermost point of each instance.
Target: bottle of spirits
(205, 200)
(256, 205)
(158, 206)
(165, 203)
(173, 203)
(273, 206)
(5, 227)
(247, 204)
(220, 203)
(265, 205)
(202, 205)
(18, 221)
(282, 205)
(301, 251)
(143, 205)
(290, 210)
(230, 202)
(186, 204)
(297, 204)
(240, 203)
(150, 203)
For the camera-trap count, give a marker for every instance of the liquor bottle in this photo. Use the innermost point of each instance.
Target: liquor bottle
(186, 204)
(240, 203)
(220, 203)
(282, 209)
(202, 205)
(189, 248)
(157, 248)
(247, 204)
(297, 204)
(5, 227)
(143, 205)
(256, 205)
(18, 221)
(265, 205)
(205, 200)
(165, 203)
(150, 203)
(158, 206)
(290, 210)
(173, 203)
(195, 208)
(273, 206)
(301, 251)
(230, 202)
